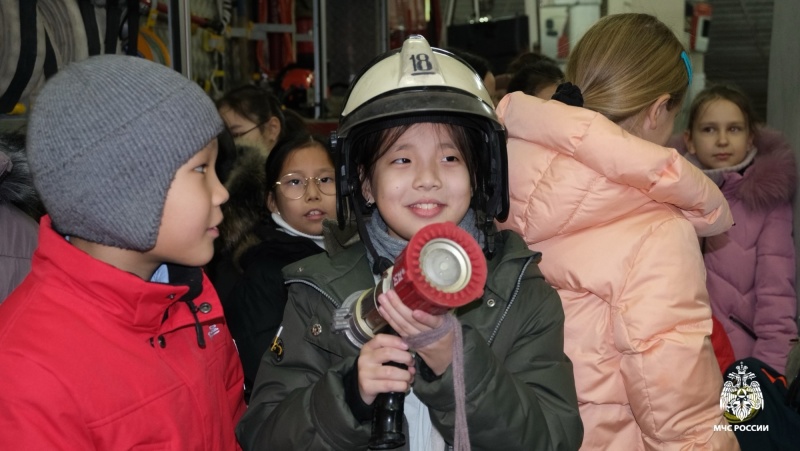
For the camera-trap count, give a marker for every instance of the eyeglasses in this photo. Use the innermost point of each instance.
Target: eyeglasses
(294, 186)
(240, 134)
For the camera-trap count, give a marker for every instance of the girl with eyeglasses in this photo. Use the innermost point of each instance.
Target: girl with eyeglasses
(300, 194)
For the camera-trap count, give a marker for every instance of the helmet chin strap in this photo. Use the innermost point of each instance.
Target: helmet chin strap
(489, 247)
(381, 263)
(484, 223)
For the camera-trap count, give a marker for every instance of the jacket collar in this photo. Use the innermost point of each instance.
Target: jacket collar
(150, 307)
(348, 270)
(339, 275)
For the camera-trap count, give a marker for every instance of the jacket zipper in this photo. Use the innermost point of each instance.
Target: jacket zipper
(510, 302)
(744, 328)
(489, 341)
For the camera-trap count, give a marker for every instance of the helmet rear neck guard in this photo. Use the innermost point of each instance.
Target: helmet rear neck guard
(422, 84)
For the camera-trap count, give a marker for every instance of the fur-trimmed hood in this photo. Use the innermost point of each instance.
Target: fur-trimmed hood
(769, 181)
(16, 182)
(246, 205)
(772, 178)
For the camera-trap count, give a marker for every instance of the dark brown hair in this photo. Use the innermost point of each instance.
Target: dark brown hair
(724, 92)
(254, 103)
(283, 149)
(382, 140)
(531, 78)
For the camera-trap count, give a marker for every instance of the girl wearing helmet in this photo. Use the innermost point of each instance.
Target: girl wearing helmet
(617, 216)
(418, 143)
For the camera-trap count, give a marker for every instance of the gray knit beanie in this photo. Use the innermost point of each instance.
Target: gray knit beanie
(105, 138)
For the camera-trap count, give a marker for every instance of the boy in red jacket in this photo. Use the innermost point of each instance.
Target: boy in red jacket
(116, 339)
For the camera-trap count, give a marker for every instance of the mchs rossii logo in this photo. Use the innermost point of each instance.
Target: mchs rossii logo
(741, 400)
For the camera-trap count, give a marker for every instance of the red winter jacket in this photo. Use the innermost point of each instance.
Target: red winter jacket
(95, 358)
(722, 345)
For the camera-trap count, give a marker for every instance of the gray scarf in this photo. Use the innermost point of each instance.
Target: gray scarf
(390, 247)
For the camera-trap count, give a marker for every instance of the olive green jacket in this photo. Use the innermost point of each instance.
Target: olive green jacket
(520, 391)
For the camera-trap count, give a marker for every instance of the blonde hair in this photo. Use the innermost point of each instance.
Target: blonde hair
(624, 62)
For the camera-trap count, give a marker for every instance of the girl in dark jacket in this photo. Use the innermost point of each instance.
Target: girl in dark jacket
(418, 146)
(300, 193)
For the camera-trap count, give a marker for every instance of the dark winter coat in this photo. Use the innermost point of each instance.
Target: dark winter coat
(246, 270)
(520, 391)
(245, 208)
(18, 230)
(751, 267)
(254, 305)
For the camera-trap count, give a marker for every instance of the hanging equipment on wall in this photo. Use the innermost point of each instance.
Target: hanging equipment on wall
(64, 29)
(131, 23)
(22, 55)
(90, 26)
(112, 27)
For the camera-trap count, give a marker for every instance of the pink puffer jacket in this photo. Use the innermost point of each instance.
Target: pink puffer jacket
(616, 219)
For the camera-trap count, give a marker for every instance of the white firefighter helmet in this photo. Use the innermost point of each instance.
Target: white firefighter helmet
(418, 83)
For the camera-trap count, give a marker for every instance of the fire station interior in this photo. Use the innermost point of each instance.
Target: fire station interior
(307, 52)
